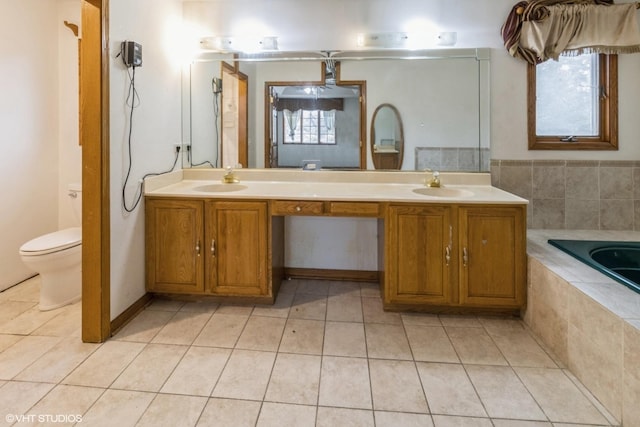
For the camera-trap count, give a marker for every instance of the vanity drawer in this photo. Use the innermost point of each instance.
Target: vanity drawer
(370, 209)
(296, 207)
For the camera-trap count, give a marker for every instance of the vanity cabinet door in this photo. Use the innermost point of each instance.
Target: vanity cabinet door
(419, 255)
(174, 246)
(237, 250)
(493, 264)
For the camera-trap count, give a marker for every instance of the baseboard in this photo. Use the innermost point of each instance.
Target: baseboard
(322, 274)
(131, 312)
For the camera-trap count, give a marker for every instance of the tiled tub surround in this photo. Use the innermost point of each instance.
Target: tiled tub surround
(572, 194)
(589, 321)
(452, 159)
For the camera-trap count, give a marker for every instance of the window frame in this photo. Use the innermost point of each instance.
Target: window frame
(608, 138)
(300, 132)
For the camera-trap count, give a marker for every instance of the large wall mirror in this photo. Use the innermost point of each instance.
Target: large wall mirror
(441, 95)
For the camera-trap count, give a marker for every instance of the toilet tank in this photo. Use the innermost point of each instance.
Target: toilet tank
(75, 198)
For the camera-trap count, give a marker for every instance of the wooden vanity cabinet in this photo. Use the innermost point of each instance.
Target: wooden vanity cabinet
(419, 242)
(207, 247)
(452, 257)
(174, 239)
(493, 244)
(236, 235)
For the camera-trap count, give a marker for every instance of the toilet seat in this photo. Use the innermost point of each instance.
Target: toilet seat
(53, 242)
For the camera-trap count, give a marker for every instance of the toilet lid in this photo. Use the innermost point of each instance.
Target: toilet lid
(53, 242)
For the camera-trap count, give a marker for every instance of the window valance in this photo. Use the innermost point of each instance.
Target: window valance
(538, 30)
(295, 104)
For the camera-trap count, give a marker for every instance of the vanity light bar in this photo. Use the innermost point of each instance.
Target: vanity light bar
(382, 39)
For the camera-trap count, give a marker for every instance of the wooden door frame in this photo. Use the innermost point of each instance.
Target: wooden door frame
(94, 137)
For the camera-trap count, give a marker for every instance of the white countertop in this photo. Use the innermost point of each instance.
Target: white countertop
(354, 186)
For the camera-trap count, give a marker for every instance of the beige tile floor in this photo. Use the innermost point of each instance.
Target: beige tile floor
(325, 354)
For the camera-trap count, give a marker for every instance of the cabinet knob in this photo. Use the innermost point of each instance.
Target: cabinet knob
(298, 208)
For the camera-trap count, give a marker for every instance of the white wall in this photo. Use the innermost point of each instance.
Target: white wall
(156, 128)
(29, 129)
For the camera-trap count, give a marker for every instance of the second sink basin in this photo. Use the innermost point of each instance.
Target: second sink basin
(220, 188)
(443, 192)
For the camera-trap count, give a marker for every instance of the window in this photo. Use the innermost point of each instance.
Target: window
(309, 127)
(573, 103)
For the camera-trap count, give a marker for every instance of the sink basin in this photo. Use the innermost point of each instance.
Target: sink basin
(220, 188)
(443, 192)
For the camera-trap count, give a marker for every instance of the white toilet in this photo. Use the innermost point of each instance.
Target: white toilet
(57, 257)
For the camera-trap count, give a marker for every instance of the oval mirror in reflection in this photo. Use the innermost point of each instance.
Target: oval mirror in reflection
(387, 139)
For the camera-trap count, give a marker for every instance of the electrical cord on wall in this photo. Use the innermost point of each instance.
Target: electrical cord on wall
(132, 96)
(216, 115)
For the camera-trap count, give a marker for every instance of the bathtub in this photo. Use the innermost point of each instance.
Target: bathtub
(618, 260)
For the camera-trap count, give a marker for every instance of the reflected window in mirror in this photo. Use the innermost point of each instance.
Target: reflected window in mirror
(309, 127)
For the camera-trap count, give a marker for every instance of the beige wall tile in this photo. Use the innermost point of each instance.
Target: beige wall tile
(616, 182)
(548, 213)
(582, 214)
(616, 214)
(517, 179)
(582, 182)
(548, 181)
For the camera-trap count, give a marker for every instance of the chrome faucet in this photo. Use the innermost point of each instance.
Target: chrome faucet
(434, 182)
(229, 177)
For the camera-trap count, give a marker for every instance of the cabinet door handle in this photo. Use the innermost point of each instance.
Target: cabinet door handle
(465, 257)
(213, 247)
(447, 255)
(198, 248)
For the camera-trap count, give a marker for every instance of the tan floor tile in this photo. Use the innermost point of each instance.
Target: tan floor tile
(29, 321)
(151, 368)
(370, 290)
(230, 412)
(58, 362)
(430, 344)
(279, 309)
(395, 386)
(197, 372)
(332, 417)
(450, 421)
(261, 333)
(475, 346)
(520, 349)
(344, 288)
(460, 321)
(29, 291)
(105, 364)
(237, 310)
(344, 308)
(183, 328)
(165, 305)
(420, 319)
(288, 287)
(67, 323)
(502, 393)
(171, 410)
(200, 306)
(308, 306)
(344, 383)
(449, 391)
(344, 339)
(144, 326)
(66, 400)
(286, 415)
(7, 341)
(12, 309)
(395, 419)
(303, 336)
(222, 330)
(520, 423)
(373, 312)
(245, 376)
(23, 353)
(386, 341)
(313, 287)
(120, 408)
(295, 379)
(559, 398)
(17, 397)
